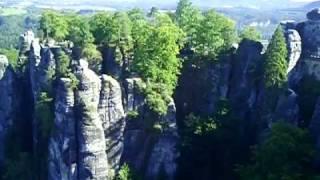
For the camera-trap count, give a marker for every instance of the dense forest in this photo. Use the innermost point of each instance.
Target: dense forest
(161, 48)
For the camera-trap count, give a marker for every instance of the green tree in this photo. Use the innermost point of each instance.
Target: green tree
(12, 55)
(101, 27)
(79, 31)
(63, 64)
(215, 34)
(275, 64)
(54, 25)
(285, 155)
(155, 60)
(250, 33)
(93, 56)
(188, 18)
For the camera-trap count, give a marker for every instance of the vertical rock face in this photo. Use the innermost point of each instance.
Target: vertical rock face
(287, 108)
(63, 146)
(164, 153)
(133, 99)
(243, 84)
(149, 152)
(42, 67)
(294, 48)
(92, 158)
(112, 116)
(7, 100)
(112, 63)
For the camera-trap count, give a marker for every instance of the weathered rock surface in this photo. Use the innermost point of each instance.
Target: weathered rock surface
(146, 150)
(62, 145)
(287, 109)
(164, 153)
(243, 86)
(7, 101)
(113, 118)
(92, 157)
(294, 48)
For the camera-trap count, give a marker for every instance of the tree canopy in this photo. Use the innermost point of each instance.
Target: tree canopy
(250, 33)
(275, 64)
(155, 59)
(285, 154)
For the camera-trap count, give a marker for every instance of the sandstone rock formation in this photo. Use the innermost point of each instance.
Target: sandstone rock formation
(146, 149)
(92, 157)
(63, 145)
(113, 118)
(7, 102)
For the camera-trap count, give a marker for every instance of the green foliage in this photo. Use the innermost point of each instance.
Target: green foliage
(19, 168)
(200, 126)
(93, 56)
(54, 25)
(153, 12)
(250, 33)
(12, 55)
(188, 18)
(220, 141)
(44, 113)
(215, 34)
(275, 64)
(112, 30)
(132, 114)
(11, 27)
(309, 91)
(125, 173)
(155, 60)
(63, 69)
(63, 63)
(79, 31)
(284, 155)
(101, 27)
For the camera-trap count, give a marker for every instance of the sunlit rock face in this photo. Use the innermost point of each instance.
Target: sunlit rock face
(92, 157)
(113, 119)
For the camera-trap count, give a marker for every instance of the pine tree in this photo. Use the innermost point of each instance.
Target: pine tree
(275, 65)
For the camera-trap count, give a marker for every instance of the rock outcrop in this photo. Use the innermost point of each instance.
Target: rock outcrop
(243, 86)
(7, 102)
(314, 15)
(164, 152)
(63, 145)
(148, 149)
(287, 108)
(92, 157)
(113, 118)
(294, 48)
